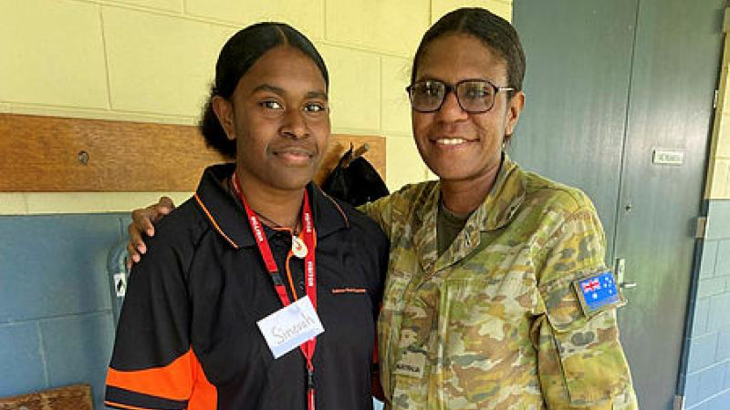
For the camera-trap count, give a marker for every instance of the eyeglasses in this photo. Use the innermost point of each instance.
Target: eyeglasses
(474, 96)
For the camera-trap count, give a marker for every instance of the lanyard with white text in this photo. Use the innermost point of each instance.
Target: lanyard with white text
(307, 347)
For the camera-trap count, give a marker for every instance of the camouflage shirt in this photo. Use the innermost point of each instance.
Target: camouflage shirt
(495, 322)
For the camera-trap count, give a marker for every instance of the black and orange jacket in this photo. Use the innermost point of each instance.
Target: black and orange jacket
(187, 335)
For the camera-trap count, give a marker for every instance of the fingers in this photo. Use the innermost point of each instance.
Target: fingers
(136, 246)
(165, 205)
(133, 256)
(142, 223)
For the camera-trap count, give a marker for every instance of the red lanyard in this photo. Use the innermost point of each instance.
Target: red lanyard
(309, 233)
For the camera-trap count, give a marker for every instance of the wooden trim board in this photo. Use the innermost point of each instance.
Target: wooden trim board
(54, 154)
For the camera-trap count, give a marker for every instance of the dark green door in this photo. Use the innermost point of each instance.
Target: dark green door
(608, 84)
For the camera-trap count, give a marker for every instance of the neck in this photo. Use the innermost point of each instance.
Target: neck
(276, 207)
(463, 196)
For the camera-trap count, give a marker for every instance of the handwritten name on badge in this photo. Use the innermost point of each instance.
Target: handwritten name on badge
(289, 327)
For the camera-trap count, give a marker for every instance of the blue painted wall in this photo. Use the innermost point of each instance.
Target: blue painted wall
(707, 379)
(56, 308)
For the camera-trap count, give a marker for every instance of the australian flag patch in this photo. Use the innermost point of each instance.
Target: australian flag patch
(598, 292)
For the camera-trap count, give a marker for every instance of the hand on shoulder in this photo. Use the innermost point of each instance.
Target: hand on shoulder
(143, 221)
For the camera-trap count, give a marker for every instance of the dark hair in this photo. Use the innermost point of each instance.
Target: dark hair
(237, 56)
(493, 31)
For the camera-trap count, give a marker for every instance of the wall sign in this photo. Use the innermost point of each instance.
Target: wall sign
(667, 157)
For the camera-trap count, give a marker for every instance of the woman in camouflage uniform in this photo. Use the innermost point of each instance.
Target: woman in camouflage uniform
(497, 294)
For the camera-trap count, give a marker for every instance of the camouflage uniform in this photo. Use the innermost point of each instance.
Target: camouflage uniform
(494, 322)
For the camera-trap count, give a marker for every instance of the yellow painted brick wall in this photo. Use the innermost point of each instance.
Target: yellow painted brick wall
(718, 174)
(153, 60)
(502, 8)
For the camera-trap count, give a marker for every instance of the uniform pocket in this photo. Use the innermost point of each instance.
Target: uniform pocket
(484, 341)
(581, 348)
(592, 361)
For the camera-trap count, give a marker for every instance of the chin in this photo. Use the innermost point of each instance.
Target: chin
(448, 171)
(291, 183)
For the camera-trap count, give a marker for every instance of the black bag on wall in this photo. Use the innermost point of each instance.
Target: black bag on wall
(354, 180)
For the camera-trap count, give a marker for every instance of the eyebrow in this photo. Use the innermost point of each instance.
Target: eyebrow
(317, 94)
(271, 88)
(431, 78)
(280, 91)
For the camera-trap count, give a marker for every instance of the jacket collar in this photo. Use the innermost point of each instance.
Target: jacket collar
(226, 215)
(497, 210)
(505, 197)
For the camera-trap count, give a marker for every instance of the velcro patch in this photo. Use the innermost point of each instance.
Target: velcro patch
(411, 364)
(597, 293)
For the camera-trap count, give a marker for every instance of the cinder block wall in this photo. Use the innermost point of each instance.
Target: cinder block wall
(707, 381)
(707, 378)
(56, 307)
(153, 60)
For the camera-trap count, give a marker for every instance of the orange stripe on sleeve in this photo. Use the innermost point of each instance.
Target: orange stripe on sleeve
(205, 395)
(123, 406)
(173, 382)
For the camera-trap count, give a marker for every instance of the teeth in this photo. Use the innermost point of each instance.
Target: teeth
(450, 141)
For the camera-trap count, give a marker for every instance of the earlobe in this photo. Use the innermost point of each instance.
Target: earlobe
(224, 111)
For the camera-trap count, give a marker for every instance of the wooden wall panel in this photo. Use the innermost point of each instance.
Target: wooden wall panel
(75, 397)
(46, 154)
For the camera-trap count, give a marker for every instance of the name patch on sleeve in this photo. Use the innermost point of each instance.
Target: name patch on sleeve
(597, 293)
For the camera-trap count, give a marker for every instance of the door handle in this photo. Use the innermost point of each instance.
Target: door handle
(621, 273)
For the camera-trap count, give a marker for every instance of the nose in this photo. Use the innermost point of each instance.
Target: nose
(450, 109)
(295, 125)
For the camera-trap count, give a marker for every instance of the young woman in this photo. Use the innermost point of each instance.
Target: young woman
(258, 238)
(497, 294)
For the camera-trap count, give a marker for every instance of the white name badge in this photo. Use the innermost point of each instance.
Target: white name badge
(289, 327)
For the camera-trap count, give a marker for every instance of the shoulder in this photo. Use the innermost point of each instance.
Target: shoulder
(359, 224)
(553, 195)
(569, 239)
(360, 245)
(393, 210)
(410, 197)
(184, 224)
(412, 193)
(176, 237)
(549, 205)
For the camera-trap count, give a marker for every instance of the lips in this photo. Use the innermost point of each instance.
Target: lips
(294, 153)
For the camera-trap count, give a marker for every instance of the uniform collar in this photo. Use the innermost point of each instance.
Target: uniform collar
(500, 205)
(497, 210)
(227, 216)
(503, 199)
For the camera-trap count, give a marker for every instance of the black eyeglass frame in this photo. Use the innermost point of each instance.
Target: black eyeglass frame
(452, 88)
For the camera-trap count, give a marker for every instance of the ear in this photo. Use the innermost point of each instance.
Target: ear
(224, 111)
(516, 103)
